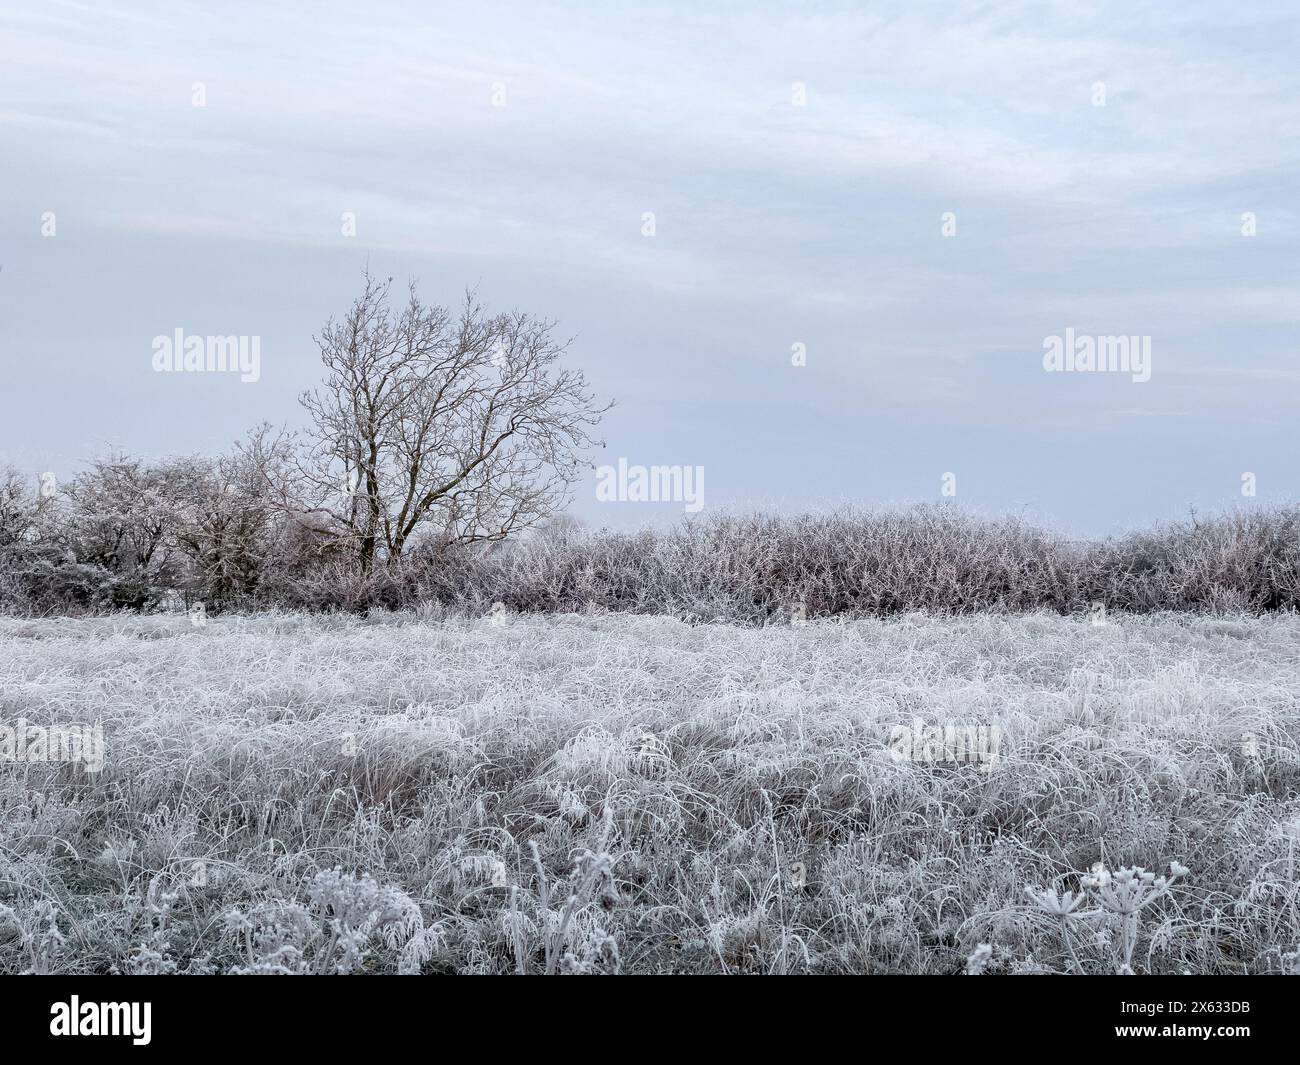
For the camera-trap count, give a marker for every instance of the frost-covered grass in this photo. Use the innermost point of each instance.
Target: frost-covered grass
(632, 793)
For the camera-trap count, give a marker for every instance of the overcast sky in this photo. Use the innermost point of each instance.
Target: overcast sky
(775, 224)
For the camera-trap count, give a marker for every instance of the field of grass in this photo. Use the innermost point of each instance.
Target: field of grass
(630, 793)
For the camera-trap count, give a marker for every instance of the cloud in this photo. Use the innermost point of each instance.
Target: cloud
(775, 222)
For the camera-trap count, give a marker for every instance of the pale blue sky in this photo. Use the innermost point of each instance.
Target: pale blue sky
(775, 224)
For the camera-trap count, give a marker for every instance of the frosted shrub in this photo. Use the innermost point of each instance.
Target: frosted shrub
(565, 946)
(750, 569)
(1117, 899)
(39, 939)
(153, 956)
(348, 916)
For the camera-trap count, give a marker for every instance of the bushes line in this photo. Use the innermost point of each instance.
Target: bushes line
(762, 568)
(231, 552)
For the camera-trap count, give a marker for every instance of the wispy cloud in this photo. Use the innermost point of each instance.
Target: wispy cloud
(777, 221)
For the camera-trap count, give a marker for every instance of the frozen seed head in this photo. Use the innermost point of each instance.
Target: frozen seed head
(1098, 877)
(1061, 906)
(979, 958)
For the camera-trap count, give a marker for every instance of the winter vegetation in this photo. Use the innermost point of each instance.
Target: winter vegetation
(438, 428)
(128, 534)
(357, 697)
(604, 793)
(433, 465)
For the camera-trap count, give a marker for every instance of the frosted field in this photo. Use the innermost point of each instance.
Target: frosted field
(634, 794)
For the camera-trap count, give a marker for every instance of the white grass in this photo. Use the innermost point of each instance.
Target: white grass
(631, 793)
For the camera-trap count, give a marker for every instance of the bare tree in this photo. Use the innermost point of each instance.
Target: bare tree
(122, 514)
(229, 525)
(21, 508)
(453, 427)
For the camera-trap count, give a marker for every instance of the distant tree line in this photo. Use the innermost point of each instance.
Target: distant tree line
(129, 534)
(438, 437)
